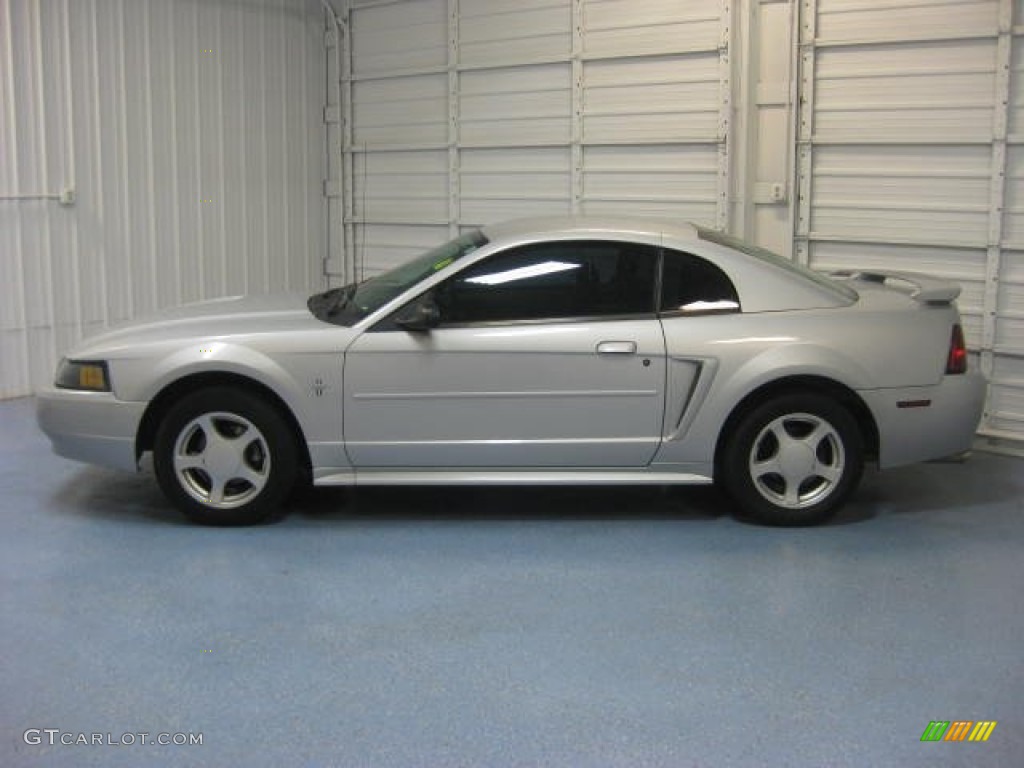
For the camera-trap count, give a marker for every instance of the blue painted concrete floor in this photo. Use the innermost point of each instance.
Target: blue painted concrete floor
(521, 627)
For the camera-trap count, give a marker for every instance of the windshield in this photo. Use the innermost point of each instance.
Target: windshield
(351, 303)
(719, 238)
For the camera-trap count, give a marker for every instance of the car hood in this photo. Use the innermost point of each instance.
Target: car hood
(231, 316)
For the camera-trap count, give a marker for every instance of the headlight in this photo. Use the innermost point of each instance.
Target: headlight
(80, 374)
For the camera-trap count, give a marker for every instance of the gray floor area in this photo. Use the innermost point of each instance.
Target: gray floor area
(520, 627)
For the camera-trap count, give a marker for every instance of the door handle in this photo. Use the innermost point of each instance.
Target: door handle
(616, 348)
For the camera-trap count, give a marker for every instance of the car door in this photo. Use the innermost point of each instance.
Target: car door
(546, 355)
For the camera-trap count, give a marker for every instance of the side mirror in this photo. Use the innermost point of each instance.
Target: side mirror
(420, 316)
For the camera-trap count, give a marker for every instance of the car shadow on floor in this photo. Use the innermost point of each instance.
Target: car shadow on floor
(984, 479)
(105, 494)
(100, 493)
(510, 503)
(112, 495)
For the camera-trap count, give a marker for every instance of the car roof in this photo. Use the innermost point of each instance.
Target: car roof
(590, 225)
(764, 284)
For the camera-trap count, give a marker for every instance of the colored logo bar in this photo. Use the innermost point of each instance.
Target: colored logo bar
(958, 730)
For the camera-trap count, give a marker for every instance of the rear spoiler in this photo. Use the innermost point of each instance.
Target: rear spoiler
(922, 288)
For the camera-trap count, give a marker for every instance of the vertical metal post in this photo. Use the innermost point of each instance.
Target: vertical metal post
(725, 121)
(746, 120)
(807, 18)
(576, 116)
(454, 191)
(997, 190)
(347, 138)
(334, 183)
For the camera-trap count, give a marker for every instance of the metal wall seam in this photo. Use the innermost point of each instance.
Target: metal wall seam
(44, 168)
(287, 135)
(264, 154)
(16, 385)
(97, 154)
(70, 175)
(806, 14)
(175, 212)
(223, 189)
(126, 201)
(150, 173)
(199, 192)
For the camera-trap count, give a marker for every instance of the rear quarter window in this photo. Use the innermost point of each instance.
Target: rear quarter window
(692, 285)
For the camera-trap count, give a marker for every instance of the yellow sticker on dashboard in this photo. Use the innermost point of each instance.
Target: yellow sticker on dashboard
(443, 263)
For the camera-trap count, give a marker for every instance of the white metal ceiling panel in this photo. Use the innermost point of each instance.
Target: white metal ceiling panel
(515, 106)
(675, 181)
(400, 110)
(1006, 406)
(616, 28)
(1006, 401)
(401, 186)
(911, 193)
(399, 37)
(498, 184)
(860, 21)
(1016, 106)
(1013, 221)
(495, 34)
(909, 93)
(659, 99)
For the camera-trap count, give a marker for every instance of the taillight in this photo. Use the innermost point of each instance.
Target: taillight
(957, 360)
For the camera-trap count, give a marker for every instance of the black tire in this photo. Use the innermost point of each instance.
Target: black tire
(224, 456)
(793, 460)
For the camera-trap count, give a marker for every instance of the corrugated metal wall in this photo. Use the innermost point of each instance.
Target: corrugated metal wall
(469, 111)
(911, 156)
(192, 135)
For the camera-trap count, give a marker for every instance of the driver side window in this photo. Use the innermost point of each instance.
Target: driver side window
(559, 280)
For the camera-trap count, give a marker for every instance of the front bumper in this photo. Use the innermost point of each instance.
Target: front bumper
(945, 427)
(93, 427)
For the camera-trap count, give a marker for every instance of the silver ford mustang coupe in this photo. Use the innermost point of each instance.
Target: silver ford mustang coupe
(544, 351)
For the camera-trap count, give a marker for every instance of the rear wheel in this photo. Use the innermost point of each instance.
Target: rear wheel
(225, 457)
(793, 460)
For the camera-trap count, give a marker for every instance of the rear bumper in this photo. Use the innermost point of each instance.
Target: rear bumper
(926, 423)
(93, 427)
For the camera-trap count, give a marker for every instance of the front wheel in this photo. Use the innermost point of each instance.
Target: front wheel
(225, 457)
(793, 460)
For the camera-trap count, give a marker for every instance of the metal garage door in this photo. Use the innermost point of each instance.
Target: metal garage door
(911, 156)
(465, 112)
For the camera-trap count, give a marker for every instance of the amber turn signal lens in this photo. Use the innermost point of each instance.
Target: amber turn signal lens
(91, 376)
